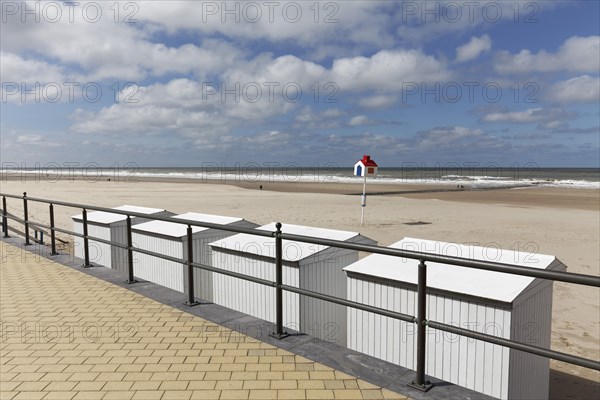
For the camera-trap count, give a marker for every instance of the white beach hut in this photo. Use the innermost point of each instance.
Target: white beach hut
(170, 238)
(510, 306)
(308, 266)
(113, 227)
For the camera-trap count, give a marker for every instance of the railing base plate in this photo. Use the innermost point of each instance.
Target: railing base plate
(278, 336)
(87, 266)
(191, 304)
(131, 282)
(423, 388)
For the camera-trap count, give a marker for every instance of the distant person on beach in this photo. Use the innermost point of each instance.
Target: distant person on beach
(260, 187)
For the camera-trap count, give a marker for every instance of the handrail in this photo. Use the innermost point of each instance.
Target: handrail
(141, 215)
(540, 351)
(582, 279)
(279, 236)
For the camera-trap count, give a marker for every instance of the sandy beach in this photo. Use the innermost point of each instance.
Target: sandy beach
(560, 222)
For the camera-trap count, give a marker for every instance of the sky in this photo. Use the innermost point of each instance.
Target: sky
(182, 83)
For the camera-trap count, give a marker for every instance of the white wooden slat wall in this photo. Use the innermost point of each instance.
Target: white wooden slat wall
(103, 251)
(119, 254)
(253, 298)
(532, 317)
(103, 254)
(203, 280)
(100, 253)
(321, 319)
(163, 272)
(395, 343)
(469, 363)
(78, 241)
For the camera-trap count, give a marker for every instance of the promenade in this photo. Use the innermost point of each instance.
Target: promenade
(67, 335)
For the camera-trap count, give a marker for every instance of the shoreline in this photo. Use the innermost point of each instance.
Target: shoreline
(512, 196)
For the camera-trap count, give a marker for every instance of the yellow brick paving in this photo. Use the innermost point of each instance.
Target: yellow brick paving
(66, 335)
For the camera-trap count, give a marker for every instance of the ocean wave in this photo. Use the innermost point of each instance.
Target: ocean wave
(474, 178)
(249, 176)
(469, 182)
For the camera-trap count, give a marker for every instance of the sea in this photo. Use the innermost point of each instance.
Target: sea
(469, 176)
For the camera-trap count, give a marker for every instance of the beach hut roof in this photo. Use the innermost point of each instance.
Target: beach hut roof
(180, 230)
(103, 217)
(292, 251)
(480, 283)
(367, 162)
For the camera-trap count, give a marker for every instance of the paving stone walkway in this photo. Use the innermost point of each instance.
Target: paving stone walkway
(66, 335)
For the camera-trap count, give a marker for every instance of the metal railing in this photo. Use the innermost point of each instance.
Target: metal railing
(420, 319)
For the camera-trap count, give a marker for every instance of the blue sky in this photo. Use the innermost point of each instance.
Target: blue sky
(167, 83)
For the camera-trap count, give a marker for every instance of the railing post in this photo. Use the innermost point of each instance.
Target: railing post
(26, 218)
(131, 278)
(279, 332)
(419, 383)
(52, 233)
(4, 217)
(190, 302)
(86, 246)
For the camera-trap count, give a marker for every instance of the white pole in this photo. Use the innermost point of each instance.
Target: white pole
(363, 202)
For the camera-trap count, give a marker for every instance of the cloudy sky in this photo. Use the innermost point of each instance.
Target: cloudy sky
(179, 83)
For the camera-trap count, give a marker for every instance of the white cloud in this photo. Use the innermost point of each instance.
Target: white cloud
(277, 72)
(270, 138)
(182, 107)
(384, 71)
(307, 115)
(306, 23)
(20, 70)
(129, 52)
(530, 115)
(562, 127)
(26, 81)
(378, 101)
(554, 125)
(387, 70)
(581, 89)
(545, 115)
(475, 47)
(107, 49)
(444, 136)
(360, 120)
(29, 138)
(577, 54)
(332, 113)
(446, 140)
(37, 140)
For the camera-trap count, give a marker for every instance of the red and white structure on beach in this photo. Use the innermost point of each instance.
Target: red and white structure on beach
(365, 167)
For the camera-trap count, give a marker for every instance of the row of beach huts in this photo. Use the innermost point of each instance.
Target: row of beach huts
(510, 306)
